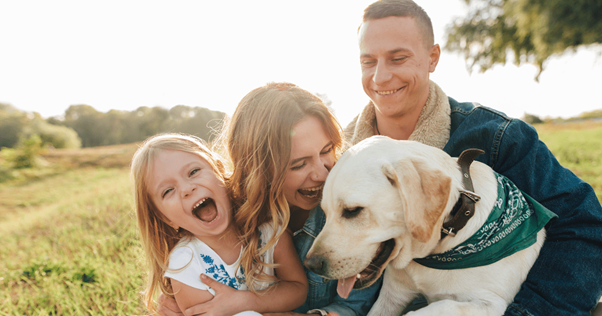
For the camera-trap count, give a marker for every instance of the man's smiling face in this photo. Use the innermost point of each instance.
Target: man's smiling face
(395, 65)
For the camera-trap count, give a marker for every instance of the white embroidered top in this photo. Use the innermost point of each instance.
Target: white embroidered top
(191, 257)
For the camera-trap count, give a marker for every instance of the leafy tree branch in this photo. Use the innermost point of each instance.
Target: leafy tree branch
(531, 30)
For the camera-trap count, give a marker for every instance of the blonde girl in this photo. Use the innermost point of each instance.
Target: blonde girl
(185, 219)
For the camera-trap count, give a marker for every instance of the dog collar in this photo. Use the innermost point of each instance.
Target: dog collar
(464, 208)
(512, 226)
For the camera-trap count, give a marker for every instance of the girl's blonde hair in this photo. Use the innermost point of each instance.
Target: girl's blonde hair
(158, 238)
(258, 141)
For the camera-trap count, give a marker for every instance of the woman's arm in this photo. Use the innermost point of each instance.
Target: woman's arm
(292, 283)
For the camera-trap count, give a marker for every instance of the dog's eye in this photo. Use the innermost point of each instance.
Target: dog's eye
(352, 212)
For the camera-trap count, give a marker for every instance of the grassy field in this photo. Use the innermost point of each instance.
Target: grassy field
(577, 146)
(69, 239)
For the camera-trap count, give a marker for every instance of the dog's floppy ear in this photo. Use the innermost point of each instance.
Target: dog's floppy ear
(424, 192)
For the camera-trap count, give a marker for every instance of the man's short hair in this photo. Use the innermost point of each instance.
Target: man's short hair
(402, 8)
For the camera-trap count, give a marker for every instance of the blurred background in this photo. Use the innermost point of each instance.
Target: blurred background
(124, 55)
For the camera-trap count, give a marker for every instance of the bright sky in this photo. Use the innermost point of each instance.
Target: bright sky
(116, 54)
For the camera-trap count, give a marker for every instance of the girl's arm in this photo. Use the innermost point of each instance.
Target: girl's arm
(289, 293)
(187, 296)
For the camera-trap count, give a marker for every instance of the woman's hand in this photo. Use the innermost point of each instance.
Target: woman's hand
(167, 306)
(226, 302)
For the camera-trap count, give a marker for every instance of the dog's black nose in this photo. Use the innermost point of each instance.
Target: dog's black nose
(317, 264)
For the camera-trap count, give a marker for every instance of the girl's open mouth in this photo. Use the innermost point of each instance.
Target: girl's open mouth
(205, 210)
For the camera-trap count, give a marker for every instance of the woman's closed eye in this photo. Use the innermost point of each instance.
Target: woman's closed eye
(326, 151)
(299, 166)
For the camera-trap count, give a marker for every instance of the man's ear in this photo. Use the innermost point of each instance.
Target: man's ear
(434, 54)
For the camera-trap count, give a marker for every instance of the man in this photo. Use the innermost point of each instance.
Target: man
(397, 53)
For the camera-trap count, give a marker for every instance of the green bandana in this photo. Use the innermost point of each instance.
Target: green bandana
(512, 226)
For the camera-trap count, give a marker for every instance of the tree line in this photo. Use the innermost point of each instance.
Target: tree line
(84, 126)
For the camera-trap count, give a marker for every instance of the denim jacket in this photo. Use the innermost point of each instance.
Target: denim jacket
(322, 293)
(567, 276)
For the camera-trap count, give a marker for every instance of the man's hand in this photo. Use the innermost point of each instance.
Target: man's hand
(168, 306)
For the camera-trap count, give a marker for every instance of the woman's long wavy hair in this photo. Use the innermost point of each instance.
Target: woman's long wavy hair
(258, 139)
(158, 238)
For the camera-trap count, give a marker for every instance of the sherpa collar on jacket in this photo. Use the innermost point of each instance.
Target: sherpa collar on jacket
(432, 128)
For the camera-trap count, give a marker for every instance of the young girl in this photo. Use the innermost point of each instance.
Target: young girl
(185, 219)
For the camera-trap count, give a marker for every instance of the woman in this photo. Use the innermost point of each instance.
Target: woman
(283, 141)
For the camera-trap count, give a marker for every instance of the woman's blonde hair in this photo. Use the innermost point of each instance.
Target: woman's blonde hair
(258, 141)
(158, 238)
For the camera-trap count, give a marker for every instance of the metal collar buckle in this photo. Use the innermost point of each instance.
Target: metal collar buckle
(471, 195)
(448, 232)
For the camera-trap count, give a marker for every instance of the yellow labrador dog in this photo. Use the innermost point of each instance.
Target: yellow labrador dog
(385, 203)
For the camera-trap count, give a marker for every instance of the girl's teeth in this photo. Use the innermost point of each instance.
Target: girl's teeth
(199, 204)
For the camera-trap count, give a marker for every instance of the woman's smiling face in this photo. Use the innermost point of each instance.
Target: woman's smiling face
(312, 157)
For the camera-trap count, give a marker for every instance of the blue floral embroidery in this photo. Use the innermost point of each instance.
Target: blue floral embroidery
(218, 272)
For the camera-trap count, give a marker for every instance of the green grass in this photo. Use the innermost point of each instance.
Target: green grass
(577, 146)
(70, 245)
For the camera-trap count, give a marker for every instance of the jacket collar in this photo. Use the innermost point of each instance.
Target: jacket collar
(314, 223)
(432, 128)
